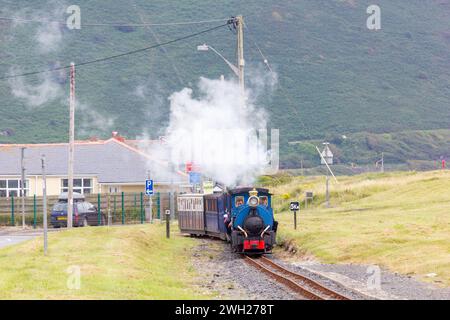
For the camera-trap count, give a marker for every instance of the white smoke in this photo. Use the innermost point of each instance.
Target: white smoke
(217, 131)
(49, 36)
(35, 94)
(92, 122)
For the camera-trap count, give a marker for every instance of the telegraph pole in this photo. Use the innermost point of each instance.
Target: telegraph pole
(22, 186)
(327, 192)
(44, 204)
(240, 50)
(382, 162)
(71, 146)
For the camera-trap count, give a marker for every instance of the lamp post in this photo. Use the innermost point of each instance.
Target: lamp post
(238, 70)
(205, 47)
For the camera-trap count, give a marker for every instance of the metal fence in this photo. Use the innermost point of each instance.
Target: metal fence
(119, 208)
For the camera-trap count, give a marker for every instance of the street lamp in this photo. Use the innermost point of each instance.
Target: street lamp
(205, 47)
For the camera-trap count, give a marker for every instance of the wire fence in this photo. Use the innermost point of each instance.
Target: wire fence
(118, 208)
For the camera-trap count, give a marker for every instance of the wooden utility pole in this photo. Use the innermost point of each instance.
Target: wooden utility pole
(22, 184)
(240, 51)
(71, 146)
(44, 204)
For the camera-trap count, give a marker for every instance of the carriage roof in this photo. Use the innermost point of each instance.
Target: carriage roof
(240, 190)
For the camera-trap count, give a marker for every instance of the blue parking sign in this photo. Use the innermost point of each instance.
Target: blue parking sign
(195, 178)
(149, 187)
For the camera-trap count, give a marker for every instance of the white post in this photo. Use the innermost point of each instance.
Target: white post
(71, 146)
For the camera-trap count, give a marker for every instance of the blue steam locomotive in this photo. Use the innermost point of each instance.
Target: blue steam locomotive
(243, 216)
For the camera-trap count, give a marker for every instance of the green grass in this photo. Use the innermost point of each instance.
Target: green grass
(131, 262)
(400, 221)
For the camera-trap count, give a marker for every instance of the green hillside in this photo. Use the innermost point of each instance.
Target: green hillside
(335, 76)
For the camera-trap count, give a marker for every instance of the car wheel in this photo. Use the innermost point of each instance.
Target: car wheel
(85, 222)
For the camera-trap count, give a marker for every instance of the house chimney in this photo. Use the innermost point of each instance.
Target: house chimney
(117, 136)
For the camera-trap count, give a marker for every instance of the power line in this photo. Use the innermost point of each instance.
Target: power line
(181, 23)
(117, 55)
(283, 91)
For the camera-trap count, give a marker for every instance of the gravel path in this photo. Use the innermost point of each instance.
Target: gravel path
(227, 276)
(364, 279)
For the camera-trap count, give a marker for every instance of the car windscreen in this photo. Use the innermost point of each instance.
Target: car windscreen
(60, 206)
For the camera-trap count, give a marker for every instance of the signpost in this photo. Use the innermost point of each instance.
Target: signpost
(149, 187)
(195, 179)
(308, 196)
(295, 206)
(149, 192)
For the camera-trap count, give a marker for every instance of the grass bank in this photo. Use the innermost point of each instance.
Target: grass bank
(400, 221)
(130, 262)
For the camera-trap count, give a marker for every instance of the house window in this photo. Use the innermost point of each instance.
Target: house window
(12, 187)
(114, 189)
(80, 185)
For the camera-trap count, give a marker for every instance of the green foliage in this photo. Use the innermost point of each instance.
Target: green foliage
(335, 77)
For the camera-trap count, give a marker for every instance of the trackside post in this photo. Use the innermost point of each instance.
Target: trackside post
(167, 224)
(295, 206)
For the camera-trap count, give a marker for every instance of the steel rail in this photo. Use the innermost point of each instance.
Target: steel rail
(308, 281)
(297, 288)
(318, 292)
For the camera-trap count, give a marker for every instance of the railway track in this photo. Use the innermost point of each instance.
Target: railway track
(300, 284)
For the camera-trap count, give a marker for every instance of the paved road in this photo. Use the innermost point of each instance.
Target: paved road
(13, 235)
(13, 239)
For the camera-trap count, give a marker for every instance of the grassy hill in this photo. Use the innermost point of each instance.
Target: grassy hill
(335, 76)
(398, 221)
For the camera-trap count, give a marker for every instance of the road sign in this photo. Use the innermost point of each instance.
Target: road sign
(294, 206)
(195, 178)
(149, 187)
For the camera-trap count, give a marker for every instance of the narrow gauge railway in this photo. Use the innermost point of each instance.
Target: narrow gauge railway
(302, 285)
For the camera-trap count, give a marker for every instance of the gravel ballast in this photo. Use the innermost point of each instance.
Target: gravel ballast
(393, 286)
(226, 276)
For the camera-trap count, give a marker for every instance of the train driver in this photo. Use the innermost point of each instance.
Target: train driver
(239, 201)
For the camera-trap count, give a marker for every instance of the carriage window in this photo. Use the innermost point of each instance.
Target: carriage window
(264, 201)
(239, 201)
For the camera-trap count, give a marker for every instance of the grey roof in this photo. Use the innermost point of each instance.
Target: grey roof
(111, 161)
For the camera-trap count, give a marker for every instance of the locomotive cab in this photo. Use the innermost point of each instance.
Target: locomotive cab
(253, 225)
